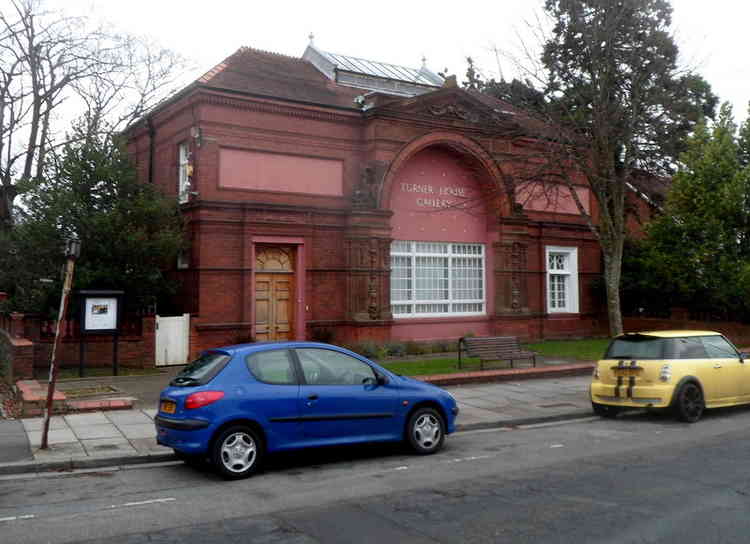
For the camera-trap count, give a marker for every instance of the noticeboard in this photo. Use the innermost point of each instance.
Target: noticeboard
(100, 311)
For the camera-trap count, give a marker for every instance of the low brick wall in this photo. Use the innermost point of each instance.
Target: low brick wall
(16, 357)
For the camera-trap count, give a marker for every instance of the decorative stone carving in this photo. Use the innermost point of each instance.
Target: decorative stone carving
(455, 111)
(368, 278)
(365, 195)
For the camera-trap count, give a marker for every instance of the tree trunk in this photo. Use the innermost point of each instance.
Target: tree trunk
(7, 196)
(612, 273)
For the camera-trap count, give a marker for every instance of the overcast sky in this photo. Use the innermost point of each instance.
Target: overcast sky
(710, 34)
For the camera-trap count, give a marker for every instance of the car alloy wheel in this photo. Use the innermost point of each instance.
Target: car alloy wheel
(690, 403)
(426, 431)
(237, 452)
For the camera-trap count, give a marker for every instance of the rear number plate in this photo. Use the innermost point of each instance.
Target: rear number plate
(168, 407)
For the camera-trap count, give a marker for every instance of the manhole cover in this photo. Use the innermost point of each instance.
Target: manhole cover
(558, 405)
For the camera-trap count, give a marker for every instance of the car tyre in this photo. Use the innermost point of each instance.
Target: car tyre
(237, 452)
(689, 403)
(605, 410)
(425, 431)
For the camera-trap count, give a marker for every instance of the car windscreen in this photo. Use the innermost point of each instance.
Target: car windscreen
(636, 347)
(202, 370)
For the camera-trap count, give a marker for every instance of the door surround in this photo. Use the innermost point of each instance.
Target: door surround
(298, 332)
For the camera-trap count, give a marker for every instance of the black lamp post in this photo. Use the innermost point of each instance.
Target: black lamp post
(72, 252)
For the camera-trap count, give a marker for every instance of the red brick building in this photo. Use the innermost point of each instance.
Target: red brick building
(328, 195)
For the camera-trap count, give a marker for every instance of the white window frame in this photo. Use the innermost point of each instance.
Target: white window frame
(569, 273)
(183, 165)
(451, 301)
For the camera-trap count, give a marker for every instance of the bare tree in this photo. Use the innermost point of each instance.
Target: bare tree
(55, 67)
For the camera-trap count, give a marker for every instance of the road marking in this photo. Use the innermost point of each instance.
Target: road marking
(557, 446)
(16, 518)
(404, 467)
(141, 503)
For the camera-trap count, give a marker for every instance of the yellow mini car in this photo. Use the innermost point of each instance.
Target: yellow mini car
(684, 371)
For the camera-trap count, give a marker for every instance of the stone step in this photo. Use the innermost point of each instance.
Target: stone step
(115, 403)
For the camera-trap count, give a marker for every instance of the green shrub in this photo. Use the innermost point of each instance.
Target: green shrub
(396, 349)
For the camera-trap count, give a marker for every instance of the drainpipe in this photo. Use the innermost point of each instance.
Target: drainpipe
(151, 148)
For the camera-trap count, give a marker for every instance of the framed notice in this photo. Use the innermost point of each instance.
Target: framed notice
(100, 314)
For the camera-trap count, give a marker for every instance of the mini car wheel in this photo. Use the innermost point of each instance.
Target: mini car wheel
(605, 410)
(425, 431)
(689, 403)
(237, 452)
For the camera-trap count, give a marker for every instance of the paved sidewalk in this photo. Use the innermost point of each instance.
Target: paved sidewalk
(100, 439)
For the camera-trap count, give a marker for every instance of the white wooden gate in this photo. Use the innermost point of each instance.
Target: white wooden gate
(172, 340)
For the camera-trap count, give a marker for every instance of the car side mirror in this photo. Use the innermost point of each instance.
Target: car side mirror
(381, 380)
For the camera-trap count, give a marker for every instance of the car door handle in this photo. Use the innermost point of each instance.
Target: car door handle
(312, 397)
(717, 365)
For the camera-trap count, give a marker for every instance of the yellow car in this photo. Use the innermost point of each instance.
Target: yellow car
(685, 371)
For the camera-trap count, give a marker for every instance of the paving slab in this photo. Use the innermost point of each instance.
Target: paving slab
(138, 430)
(93, 418)
(128, 417)
(149, 446)
(60, 452)
(36, 423)
(107, 430)
(54, 437)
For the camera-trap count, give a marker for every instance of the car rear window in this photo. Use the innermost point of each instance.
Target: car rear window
(637, 347)
(686, 347)
(202, 370)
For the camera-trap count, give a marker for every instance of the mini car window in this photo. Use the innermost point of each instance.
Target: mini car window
(689, 347)
(273, 367)
(202, 370)
(636, 347)
(328, 367)
(717, 347)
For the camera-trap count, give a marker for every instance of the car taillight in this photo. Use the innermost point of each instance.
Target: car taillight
(202, 398)
(595, 374)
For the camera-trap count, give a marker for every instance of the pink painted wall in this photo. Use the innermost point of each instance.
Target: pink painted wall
(435, 197)
(555, 200)
(436, 329)
(243, 169)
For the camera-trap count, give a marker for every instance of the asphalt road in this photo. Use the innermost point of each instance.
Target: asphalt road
(638, 479)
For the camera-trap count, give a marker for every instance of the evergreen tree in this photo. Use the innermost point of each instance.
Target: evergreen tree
(130, 234)
(697, 253)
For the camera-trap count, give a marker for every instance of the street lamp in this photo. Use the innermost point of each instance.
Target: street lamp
(72, 252)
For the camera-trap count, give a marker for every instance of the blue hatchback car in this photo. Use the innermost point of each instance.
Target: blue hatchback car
(234, 404)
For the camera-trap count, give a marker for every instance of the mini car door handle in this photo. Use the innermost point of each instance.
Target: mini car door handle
(717, 365)
(312, 397)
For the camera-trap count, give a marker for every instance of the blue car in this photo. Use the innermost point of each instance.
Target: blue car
(235, 404)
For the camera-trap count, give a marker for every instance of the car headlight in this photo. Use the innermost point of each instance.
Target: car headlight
(665, 374)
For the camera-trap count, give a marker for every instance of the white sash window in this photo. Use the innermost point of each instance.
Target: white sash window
(562, 279)
(435, 279)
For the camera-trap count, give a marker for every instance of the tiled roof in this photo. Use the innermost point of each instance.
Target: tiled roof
(279, 76)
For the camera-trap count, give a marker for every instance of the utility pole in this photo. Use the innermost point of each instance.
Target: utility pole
(72, 251)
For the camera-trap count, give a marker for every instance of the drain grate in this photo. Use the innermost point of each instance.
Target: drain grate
(558, 405)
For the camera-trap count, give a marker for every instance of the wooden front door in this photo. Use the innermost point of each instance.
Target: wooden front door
(274, 293)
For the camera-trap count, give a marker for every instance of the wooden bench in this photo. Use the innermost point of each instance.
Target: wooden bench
(494, 348)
